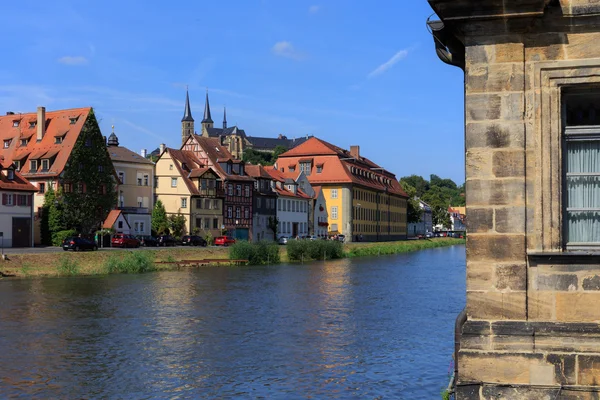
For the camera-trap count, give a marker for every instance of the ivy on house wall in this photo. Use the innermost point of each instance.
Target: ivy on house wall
(89, 176)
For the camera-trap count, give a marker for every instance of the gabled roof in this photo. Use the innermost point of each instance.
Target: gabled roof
(18, 183)
(112, 218)
(185, 162)
(57, 123)
(232, 130)
(216, 153)
(123, 154)
(338, 165)
(257, 171)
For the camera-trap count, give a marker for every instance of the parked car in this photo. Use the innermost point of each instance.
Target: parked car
(428, 234)
(147, 241)
(313, 237)
(282, 240)
(77, 243)
(193, 240)
(166, 240)
(341, 238)
(224, 241)
(122, 240)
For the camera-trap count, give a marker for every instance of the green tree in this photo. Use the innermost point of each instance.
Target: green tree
(160, 223)
(440, 216)
(177, 224)
(413, 209)
(273, 224)
(421, 185)
(279, 150)
(90, 176)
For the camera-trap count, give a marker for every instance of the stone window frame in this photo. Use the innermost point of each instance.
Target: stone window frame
(550, 82)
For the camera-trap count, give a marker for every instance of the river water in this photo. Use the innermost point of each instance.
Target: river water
(368, 328)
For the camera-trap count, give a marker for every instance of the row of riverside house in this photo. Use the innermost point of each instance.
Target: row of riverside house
(315, 188)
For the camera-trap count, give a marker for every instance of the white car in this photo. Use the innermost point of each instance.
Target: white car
(283, 240)
(313, 237)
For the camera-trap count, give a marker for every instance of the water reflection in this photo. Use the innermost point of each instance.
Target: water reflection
(361, 328)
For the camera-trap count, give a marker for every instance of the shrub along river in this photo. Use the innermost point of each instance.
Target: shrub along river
(352, 328)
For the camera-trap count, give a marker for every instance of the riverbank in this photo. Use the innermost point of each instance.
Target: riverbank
(103, 262)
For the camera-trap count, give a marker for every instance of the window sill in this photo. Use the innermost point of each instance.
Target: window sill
(564, 257)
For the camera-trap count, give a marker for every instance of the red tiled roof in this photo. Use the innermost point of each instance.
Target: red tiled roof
(339, 166)
(191, 162)
(19, 183)
(217, 153)
(257, 171)
(111, 219)
(57, 122)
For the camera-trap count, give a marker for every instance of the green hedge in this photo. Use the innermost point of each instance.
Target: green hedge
(257, 253)
(380, 249)
(132, 262)
(303, 250)
(58, 237)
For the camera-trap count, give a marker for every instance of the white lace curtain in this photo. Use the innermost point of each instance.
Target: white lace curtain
(583, 191)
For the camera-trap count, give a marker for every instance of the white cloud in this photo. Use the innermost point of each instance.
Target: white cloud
(388, 64)
(286, 49)
(314, 9)
(73, 60)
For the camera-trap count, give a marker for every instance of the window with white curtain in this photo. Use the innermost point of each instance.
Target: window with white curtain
(581, 174)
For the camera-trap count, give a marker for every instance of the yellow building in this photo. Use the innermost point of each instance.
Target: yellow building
(135, 194)
(364, 201)
(186, 186)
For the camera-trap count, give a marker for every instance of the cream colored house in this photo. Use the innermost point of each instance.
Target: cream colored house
(135, 188)
(186, 186)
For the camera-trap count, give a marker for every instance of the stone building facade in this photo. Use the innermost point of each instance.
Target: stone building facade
(532, 74)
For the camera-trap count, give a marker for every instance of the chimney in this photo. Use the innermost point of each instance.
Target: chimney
(143, 153)
(41, 123)
(162, 148)
(355, 151)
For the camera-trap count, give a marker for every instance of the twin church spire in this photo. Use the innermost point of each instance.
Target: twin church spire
(187, 122)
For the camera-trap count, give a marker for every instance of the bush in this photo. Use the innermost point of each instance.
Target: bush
(257, 253)
(58, 237)
(67, 266)
(303, 250)
(133, 262)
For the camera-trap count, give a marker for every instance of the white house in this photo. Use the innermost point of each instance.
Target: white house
(425, 224)
(116, 220)
(16, 210)
(457, 218)
(293, 206)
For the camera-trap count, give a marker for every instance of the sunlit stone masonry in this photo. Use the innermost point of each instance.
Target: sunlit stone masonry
(532, 134)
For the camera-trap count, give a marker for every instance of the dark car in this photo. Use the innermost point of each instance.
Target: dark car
(76, 243)
(224, 241)
(166, 240)
(193, 240)
(123, 240)
(148, 241)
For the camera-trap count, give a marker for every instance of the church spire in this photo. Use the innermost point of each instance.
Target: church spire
(187, 113)
(207, 119)
(224, 118)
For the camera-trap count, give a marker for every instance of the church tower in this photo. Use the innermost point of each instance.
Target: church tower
(207, 121)
(187, 122)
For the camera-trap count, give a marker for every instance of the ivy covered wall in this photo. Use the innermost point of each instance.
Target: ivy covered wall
(88, 181)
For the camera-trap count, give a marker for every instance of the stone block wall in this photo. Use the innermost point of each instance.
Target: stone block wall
(533, 308)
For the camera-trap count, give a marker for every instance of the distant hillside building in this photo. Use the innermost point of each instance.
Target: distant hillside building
(233, 138)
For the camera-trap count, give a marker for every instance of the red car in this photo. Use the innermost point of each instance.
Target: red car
(224, 241)
(121, 240)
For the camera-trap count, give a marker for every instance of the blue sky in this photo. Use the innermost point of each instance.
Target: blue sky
(350, 73)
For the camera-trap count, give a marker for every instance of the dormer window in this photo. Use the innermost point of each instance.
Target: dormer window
(32, 124)
(16, 123)
(10, 174)
(45, 165)
(73, 120)
(33, 165)
(24, 142)
(58, 140)
(7, 143)
(17, 165)
(319, 169)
